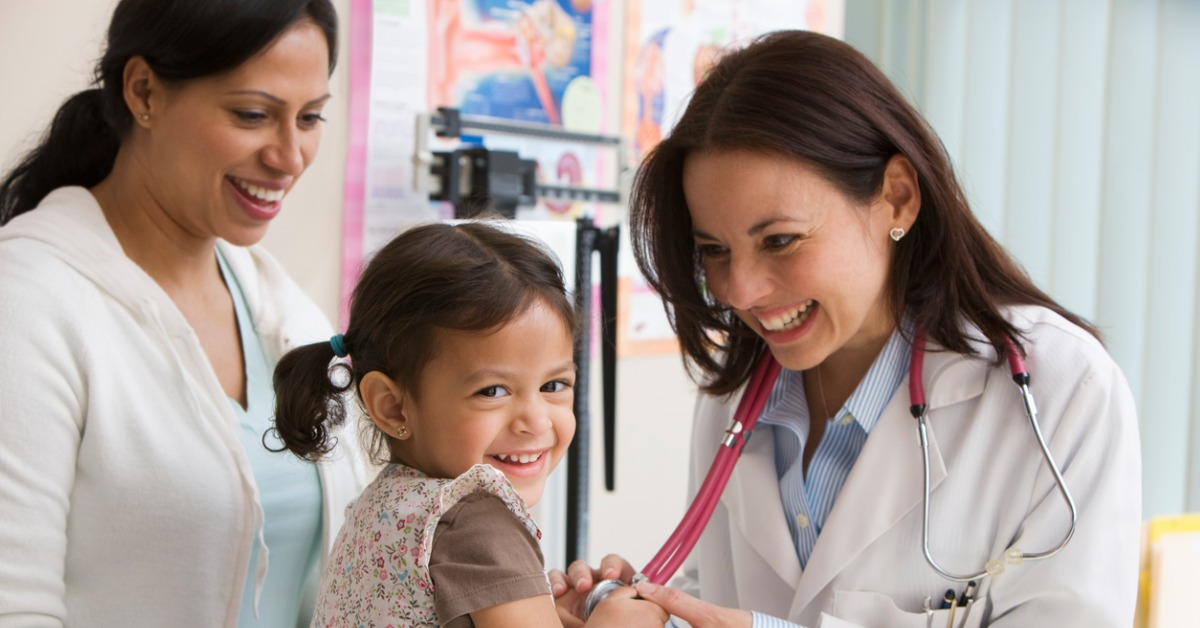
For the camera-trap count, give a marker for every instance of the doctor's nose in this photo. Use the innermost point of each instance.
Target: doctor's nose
(745, 284)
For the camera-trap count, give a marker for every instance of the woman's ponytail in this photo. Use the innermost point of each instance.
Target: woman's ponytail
(79, 148)
(310, 400)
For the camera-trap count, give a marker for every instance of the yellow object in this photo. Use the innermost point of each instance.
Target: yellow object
(1170, 549)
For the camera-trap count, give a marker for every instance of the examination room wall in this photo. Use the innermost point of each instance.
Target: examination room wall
(47, 51)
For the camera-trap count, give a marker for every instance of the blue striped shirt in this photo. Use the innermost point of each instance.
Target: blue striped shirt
(808, 498)
(807, 501)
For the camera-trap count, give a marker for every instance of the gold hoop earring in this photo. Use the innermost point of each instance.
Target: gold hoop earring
(896, 233)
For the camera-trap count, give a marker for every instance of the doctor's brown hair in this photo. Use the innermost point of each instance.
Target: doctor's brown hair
(436, 277)
(815, 99)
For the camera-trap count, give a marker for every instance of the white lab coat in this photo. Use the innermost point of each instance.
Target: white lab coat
(990, 489)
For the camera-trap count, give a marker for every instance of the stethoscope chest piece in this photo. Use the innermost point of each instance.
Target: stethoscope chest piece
(602, 590)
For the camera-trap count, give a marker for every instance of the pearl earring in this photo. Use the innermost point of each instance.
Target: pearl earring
(145, 117)
(896, 233)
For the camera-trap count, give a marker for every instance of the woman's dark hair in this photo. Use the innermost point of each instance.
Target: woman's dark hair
(180, 40)
(816, 100)
(468, 277)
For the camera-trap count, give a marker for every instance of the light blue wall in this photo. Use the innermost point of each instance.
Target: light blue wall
(1075, 128)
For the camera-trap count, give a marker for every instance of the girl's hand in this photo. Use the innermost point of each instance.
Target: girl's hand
(695, 612)
(580, 577)
(569, 604)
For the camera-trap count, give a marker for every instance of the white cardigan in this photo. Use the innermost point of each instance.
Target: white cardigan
(990, 489)
(125, 496)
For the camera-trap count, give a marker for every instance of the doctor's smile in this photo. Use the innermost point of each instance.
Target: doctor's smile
(788, 319)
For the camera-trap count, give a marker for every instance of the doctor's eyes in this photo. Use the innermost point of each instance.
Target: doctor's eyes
(770, 243)
(779, 241)
(710, 251)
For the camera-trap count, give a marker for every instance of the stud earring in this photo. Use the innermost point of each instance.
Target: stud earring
(401, 432)
(145, 117)
(896, 233)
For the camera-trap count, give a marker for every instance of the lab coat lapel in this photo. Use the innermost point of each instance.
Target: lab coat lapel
(752, 498)
(886, 482)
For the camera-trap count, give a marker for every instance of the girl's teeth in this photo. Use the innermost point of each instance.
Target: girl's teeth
(522, 458)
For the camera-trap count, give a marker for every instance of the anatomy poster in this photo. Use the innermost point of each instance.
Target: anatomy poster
(541, 61)
(514, 60)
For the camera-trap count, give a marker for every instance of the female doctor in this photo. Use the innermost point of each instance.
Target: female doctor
(802, 208)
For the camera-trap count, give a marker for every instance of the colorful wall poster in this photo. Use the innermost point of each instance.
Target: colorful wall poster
(539, 61)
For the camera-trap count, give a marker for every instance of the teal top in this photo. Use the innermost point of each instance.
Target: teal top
(289, 488)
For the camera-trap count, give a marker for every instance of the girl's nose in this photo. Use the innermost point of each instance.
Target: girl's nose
(533, 417)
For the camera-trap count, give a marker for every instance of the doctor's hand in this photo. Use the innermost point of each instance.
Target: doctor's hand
(695, 612)
(580, 577)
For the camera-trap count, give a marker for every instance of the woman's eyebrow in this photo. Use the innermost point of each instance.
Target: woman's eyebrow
(275, 99)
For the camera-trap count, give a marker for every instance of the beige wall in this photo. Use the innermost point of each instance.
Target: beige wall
(47, 51)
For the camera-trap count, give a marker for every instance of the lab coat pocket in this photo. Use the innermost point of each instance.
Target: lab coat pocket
(874, 610)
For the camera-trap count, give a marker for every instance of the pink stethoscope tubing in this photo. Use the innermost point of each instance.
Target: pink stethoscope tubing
(916, 395)
(668, 559)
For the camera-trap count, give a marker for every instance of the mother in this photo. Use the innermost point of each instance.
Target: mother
(139, 328)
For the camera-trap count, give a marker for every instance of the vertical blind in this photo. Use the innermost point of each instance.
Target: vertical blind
(1075, 128)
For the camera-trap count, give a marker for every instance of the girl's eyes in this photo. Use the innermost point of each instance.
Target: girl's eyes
(493, 392)
(496, 392)
(557, 385)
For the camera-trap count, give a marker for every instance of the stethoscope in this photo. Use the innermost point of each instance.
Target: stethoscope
(667, 561)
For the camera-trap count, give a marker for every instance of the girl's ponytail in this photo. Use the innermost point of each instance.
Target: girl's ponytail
(79, 148)
(309, 400)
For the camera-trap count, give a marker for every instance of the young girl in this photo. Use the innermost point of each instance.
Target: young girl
(460, 349)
